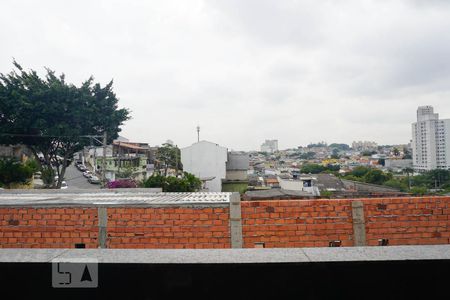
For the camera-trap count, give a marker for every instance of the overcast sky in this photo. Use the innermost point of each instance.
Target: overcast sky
(246, 70)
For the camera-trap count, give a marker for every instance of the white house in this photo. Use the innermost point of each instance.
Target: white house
(207, 161)
(305, 183)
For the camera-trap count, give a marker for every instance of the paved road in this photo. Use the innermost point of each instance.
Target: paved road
(76, 180)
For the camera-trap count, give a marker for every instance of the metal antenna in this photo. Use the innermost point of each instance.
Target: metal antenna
(198, 133)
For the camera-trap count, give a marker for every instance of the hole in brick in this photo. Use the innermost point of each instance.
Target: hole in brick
(381, 206)
(80, 245)
(13, 222)
(335, 244)
(270, 209)
(260, 245)
(383, 242)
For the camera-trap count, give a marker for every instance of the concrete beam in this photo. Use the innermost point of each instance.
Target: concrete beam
(102, 225)
(236, 221)
(359, 225)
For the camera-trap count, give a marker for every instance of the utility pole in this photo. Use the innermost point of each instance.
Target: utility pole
(198, 133)
(104, 160)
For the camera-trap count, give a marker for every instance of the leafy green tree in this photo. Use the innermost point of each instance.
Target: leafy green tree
(438, 177)
(307, 155)
(376, 176)
(316, 169)
(419, 191)
(13, 171)
(53, 117)
(335, 154)
(326, 194)
(312, 169)
(187, 183)
(397, 184)
(167, 157)
(48, 176)
(353, 178)
(408, 172)
(360, 171)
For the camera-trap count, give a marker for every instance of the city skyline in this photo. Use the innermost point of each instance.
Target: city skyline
(296, 71)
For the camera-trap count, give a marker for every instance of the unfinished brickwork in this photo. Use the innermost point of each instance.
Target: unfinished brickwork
(168, 228)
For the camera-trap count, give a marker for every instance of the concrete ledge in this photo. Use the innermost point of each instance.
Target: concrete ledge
(230, 256)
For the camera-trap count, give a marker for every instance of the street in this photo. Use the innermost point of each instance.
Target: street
(76, 180)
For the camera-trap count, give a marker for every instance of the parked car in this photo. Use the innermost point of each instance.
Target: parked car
(94, 179)
(87, 174)
(82, 168)
(63, 185)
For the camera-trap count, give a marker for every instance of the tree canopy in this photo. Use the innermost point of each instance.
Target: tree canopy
(12, 171)
(187, 183)
(53, 118)
(168, 156)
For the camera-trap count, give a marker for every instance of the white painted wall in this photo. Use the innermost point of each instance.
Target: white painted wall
(206, 159)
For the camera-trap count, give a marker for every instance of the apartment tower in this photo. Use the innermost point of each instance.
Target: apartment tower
(430, 141)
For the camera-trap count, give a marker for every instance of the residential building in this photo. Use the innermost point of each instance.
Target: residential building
(207, 161)
(398, 164)
(302, 183)
(430, 141)
(123, 159)
(269, 146)
(364, 146)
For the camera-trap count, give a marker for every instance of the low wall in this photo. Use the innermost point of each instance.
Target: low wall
(248, 224)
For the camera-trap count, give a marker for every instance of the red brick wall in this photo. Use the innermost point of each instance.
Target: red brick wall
(276, 223)
(314, 223)
(408, 221)
(297, 223)
(168, 228)
(48, 227)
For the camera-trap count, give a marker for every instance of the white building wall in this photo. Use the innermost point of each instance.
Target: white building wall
(430, 140)
(205, 159)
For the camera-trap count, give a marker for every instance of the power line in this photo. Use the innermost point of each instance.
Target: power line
(47, 136)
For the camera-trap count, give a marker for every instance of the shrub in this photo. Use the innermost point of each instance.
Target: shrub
(13, 171)
(187, 183)
(122, 184)
(419, 191)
